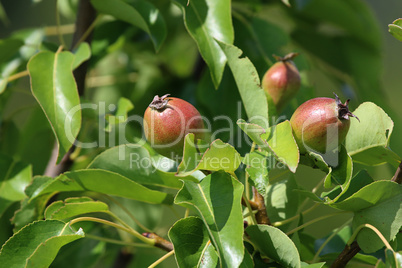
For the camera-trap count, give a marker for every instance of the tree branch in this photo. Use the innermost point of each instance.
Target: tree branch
(261, 216)
(346, 255)
(85, 17)
(398, 175)
(160, 242)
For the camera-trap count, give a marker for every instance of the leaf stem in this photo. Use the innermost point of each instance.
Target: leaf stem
(246, 201)
(58, 25)
(87, 32)
(164, 257)
(246, 183)
(117, 242)
(146, 240)
(315, 220)
(17, 76)
(379, 234)
(252, 216)
(128, 213)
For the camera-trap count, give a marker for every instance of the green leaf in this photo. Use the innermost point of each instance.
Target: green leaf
(141, 14)
(101, 181)
(190, 241)
(281, 200)
(341, 192)
(30, 211)
(14, 177)
(396, 29)
(392, 258)
(313, 265)
(53, 85)
(219, 156)
(72, 207)
(277, 140)
(258, 170)
(274, 244)
(367, 141)
(337, 164)
(248, 84)
(135, 163)
(37, 244)
(208, 21)
(123, 107)
(369, 196)
(217, 198)
(81, 54)
(8, 48)
(386, 216)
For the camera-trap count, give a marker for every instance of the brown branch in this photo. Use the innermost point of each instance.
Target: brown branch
(85, 17)
(398, 175)
(346, 255)
(160, 242)
(351, 250)
(253, 204)
(261, 216)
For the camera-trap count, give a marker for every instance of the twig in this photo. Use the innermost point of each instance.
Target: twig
(253, 205)
(261, 216)
(398, 175)
(346, 255)
(85, 17)
(159, 241)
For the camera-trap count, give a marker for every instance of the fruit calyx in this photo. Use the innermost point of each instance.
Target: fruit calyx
(159, 103)
(343, 109)
(287, 57)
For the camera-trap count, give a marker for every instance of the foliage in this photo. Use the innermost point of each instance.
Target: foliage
(241, 197)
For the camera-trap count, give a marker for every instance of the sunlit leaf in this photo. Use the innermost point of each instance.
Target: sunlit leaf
(190, 241)
(258, 170)
(120, 116)
(37, 244)
(14, 177)
(248, 84)
(367, 141)
(217, 198)
(53, 85)
(100, 181)
(208, 21)
(277, 140)
(72, 207)
(135, 163)
(385, 215)
(396, 29)
(219, 156)
(81, 54)
(274, 244)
